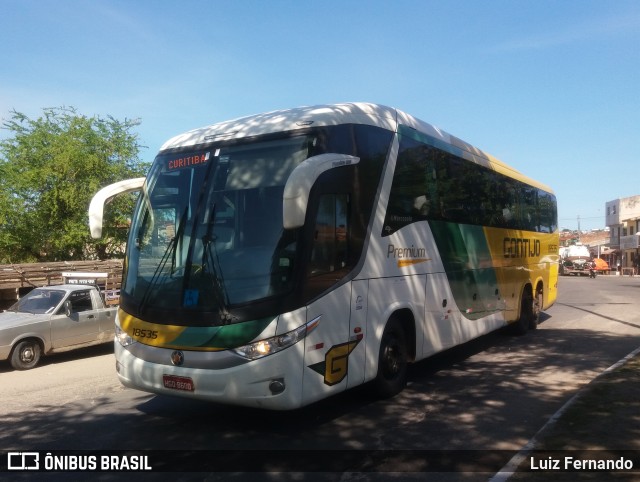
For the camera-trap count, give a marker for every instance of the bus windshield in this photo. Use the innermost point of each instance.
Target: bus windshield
(208, 231)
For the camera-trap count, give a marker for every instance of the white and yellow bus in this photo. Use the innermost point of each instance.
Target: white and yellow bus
(281, 258)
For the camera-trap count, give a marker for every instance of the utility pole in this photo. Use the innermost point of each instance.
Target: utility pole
(578, 228)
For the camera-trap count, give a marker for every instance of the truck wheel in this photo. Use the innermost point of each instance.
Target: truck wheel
(25, 355)
(392, 361)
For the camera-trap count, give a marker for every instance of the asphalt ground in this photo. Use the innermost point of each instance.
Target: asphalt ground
(594, 436)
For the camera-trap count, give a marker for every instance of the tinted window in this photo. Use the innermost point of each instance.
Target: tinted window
(432, 184)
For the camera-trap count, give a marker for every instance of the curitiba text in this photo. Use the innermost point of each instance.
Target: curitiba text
(188, 161)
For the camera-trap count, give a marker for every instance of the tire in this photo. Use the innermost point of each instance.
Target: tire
(25, 355)
(522, 325)
(392, 361)
(536, 310)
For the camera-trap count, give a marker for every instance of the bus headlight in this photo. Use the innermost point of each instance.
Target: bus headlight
(269, 346)
(122, 337)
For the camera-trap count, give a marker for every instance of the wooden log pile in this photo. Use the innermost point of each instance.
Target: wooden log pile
(13, 276)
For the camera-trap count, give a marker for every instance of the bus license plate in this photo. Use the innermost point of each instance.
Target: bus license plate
(178, 383)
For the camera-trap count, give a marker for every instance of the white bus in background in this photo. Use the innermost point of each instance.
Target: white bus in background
(278, 259)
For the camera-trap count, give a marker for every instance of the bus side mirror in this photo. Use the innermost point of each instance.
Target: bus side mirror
(300, 182)
(104, 195)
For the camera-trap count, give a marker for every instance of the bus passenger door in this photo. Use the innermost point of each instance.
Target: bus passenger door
(357, 332)
(330, 345)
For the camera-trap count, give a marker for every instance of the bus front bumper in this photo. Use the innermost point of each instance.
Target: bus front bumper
(273, 382)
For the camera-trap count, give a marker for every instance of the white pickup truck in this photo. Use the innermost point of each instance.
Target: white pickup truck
(54, 319)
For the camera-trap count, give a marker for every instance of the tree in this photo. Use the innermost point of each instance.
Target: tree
(50, 168)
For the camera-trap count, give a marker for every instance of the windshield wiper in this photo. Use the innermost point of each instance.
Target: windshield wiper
(158, 273)
(210, 254)
(169, 251)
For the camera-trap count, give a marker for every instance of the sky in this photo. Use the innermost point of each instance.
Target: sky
(551, 87)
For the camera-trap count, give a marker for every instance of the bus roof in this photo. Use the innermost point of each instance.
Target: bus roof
(334, 114)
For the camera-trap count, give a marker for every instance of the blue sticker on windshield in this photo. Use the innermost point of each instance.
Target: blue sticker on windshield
(191, 297)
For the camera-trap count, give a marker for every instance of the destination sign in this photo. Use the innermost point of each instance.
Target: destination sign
(188, 161)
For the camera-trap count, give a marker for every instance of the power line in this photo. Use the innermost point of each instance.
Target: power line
(581, 217)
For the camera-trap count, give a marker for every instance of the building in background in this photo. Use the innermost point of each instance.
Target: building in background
(623, 221)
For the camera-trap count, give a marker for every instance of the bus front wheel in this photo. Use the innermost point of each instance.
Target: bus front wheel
(392, 361)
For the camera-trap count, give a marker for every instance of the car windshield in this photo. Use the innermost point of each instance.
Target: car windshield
(208, 231)
(39, 301)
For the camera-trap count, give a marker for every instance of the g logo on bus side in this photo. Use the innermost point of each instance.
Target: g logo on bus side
(335, 366)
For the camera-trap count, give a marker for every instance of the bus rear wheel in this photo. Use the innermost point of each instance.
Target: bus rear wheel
(536, 310)
(522, 325)
(392, 361)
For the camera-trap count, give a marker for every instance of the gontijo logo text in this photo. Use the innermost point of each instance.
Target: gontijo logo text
(521, 248)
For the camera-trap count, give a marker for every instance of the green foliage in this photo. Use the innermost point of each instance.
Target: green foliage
(49, 170)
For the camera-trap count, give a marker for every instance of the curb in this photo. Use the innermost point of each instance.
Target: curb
(511, 467)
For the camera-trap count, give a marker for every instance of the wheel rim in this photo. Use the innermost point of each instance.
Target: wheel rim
(392, 358)
(28, 354)
(537, 306)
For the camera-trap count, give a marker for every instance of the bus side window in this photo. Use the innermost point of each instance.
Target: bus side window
(330, 244)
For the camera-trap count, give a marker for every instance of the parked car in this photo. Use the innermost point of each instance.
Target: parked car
(54, 319)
